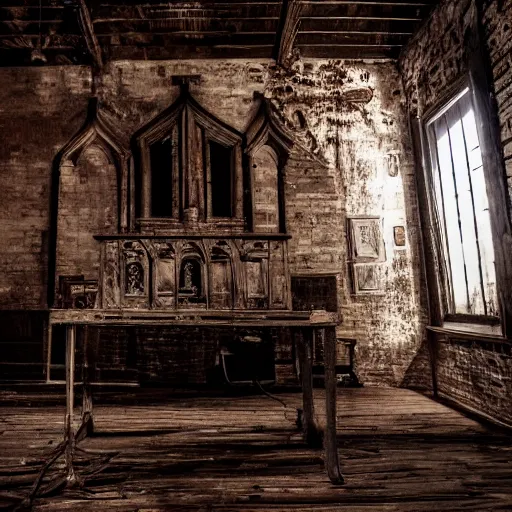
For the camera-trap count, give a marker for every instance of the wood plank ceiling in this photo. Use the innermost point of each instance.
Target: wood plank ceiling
(95, 31)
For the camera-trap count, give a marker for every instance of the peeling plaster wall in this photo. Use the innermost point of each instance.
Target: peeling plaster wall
(477, 374)
(352, 138)
(347, 119)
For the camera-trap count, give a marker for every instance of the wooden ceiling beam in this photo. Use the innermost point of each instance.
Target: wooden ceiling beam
(23, 14)
(218, 10)
(87, 28)
(189, 52)
(254, 27)
(348, 51)
(198, 40)
(291, 11)
(347, 38)
(360, 25)
(354, 52)
(184, 20)
(249, 40)
(167, 4)
(184, 25)
(210, 3)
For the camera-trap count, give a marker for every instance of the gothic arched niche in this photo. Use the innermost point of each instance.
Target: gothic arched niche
(89, 197)
(265, 197)
(268, 147)
(189, 168)
(191, 290)
(99, 186)
(135, 275)
(87, 206)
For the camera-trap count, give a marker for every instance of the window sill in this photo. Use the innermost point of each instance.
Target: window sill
(469, 332)
(477, 328)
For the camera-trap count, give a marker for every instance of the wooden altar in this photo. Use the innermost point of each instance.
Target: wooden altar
(194, 234)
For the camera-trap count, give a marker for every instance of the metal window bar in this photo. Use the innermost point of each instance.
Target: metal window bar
(468, 302)
(466, 154)
(445, 253)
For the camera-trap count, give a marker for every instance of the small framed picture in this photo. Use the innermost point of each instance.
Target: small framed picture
(399, 236)
(366, 242)
(367, 278)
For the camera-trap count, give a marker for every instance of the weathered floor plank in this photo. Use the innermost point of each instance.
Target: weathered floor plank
(399, 451)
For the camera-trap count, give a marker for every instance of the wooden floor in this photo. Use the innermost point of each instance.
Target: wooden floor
(399, 450)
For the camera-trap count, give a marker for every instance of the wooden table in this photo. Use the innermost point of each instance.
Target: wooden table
(301, 323)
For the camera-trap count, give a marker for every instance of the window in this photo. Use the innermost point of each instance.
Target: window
(461, 209)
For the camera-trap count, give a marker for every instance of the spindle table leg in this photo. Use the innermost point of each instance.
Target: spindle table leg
(330, 444)
(69, 434)
(304, 351)
(87, 406)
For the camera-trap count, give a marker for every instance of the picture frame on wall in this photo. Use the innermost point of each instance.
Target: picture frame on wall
(366, 240)
(367, 278)
(366, 250)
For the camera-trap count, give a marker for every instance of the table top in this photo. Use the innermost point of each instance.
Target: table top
(192, 317)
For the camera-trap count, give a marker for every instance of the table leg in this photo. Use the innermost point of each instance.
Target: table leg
(330, 444)
(69, 434)
(304, 351)
(87, 426)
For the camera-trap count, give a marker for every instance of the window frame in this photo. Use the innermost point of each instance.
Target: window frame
(460, 321)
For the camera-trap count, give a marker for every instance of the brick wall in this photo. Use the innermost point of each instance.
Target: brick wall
(87, 207)
(476, 374)
(497, 25)
(178, 356)
(348, 118)
(479, 375)
(41, 109)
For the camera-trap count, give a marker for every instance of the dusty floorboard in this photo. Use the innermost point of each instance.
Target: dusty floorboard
(400, 451)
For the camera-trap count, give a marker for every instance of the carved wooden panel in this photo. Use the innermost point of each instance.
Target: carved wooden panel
(201, 273)
(279, 279)
(221, 279)
(192, 286)
(257, 284)
(254, 255)
(135, 275)
(165, 275)
(111, 276)
(221, 296)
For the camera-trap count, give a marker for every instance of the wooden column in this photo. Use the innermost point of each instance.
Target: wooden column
(330, 444)
(69, 434)
(238, 192)
(303, 339)
(146, 183)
